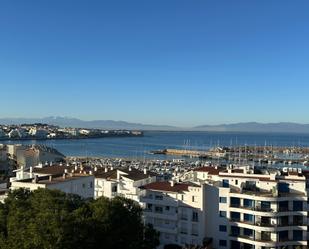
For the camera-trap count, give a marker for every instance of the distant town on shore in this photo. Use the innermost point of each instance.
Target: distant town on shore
(41, 131)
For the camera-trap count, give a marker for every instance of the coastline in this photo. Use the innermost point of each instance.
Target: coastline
(73, 137)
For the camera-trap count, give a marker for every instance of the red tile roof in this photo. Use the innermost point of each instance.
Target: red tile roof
(167, 187)
(109, 175)
(209, 170)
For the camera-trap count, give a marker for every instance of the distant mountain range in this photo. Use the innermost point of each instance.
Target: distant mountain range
(283, 127)
(78, 123)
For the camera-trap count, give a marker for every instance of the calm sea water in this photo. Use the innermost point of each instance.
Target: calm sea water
(139, 147)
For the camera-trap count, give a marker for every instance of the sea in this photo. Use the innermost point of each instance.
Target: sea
(140, 147)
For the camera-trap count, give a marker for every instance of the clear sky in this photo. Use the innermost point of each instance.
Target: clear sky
(159, 61)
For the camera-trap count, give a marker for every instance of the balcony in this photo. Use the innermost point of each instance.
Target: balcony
(184, 217)
(162, 200)
(166, 229)
(257, 209)
(264, 224)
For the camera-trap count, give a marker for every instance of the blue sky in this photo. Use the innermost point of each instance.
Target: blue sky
(162, 62)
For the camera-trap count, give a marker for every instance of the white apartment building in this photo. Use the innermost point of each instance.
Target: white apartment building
(251, 208)
(71, 183)
(38, 132)
(121, 182)
(177, 211)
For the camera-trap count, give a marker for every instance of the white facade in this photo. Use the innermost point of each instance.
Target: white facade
(177, 211)
(121, 182)
(256, 210)
(82, 185)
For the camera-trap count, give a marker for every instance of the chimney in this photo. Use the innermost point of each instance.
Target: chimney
(50, 178)
(112, 168)
(75, 167)
(65, 171)
(51, 164)
(106, 169)
(90, 172)
(95, 168)
(31, 170)
(145, 171)
(130, 169)
(172, 183)
(60, 164)
(64, 176)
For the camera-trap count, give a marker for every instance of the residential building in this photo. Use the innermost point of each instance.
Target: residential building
(122, 182)
(71, 183)
(176, 210)
(254, 208)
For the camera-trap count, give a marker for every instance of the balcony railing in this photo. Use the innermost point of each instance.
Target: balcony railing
(258, 209)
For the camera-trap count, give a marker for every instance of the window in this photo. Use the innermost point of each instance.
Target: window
(234, 202)
(194, 230)
(248, 232)
(158, 209)
(298, 235)
(225, 183)
(222, 213)
(167, 208)
(193, 199)
(195, 216)
(222, 243)
(297, 206)
(159, 197)
(248, 203)
(91, 185)
(235, 231)
(236, 182)
(235, 216)
(222, 199)
(248, 217)
(84, 185)
(222, 228)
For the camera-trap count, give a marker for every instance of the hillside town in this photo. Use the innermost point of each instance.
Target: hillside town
(40, 131)
(192, 204)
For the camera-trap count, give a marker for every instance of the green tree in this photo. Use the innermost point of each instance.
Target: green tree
(50, 219)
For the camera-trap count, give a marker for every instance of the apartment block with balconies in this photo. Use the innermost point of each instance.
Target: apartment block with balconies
(176, 210)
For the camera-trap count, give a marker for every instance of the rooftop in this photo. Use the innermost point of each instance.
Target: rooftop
(54, 178)
(209, 170)
(167, 187)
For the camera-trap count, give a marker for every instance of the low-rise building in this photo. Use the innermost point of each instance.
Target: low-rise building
(122, 182)
(71, 183)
